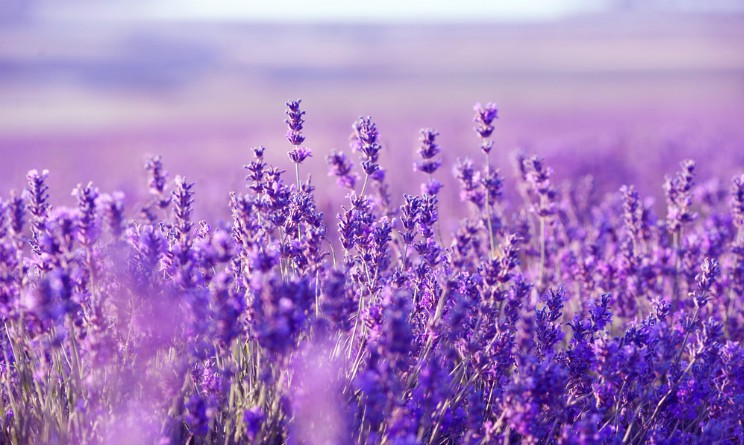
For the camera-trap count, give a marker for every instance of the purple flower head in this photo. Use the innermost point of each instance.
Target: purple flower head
(431, 187)
(599, 313)
(299, 154)
(737, 200)
(428, 166)
(197, 415)
(336, 300)
(17, 211)
(340, 167)
(582, 329)
(113, 211)
(493, 183)
(678, 192)
(547, 328)
(294, 122)
(280, 312)
(3, 219)
(38, 192)
(183, 197)
(38, 204)
(227, 309)
(428, 148)
(157, 180)
(364, 139)
(365, 131)
(554, 299)
(709, 272)
(258, 152)
(538, 176)
(88, 229)
(378, 174)
(263, 260)
(53, 298)
(484, 117)
(632, 211)
(397, 336)
(253, 419)
(470, 182)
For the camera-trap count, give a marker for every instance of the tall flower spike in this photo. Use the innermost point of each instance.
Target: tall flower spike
(157, 180)
(364, 139)
(17, 213)
(737, 200)
(38, 193)
(428, 150)
(632, 211)
(88, 229)
(340, 167)
(294, 122)
(3, 218)
(38, 204)
(484, 117)
(113, 211)
(709, 271)
(679, 196)
(184, 198)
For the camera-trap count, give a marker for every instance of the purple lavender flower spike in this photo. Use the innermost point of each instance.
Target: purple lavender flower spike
(340, 167)
(737, 201)
(157, 180)
(294, 122)
(678, 190)
(484, 117)
(87, 197)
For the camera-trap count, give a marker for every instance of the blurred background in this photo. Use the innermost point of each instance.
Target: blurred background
(622, 90)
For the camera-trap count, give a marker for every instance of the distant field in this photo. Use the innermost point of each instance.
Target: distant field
(92, 100)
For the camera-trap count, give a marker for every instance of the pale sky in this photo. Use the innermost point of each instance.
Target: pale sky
(324, 10)
(349, 10)
(301, 10)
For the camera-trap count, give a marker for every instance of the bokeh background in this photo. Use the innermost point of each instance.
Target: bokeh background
(622, 90)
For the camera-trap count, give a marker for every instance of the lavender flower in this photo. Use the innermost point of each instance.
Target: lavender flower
(113, 208)
(258, 330)
(340, 167)
(157, 181)
(88, 230)
(737, 200)
(299, 154)
(679, 196)
(484, 117)
(183, 197)
(365, 140)
(709, 271)
(294, 123)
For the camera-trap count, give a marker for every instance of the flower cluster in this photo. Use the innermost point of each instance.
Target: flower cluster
(563, 317)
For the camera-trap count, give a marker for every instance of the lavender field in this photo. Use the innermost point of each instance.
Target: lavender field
(393, 259)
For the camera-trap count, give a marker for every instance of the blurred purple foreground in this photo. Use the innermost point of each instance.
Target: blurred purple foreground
(623, 97)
